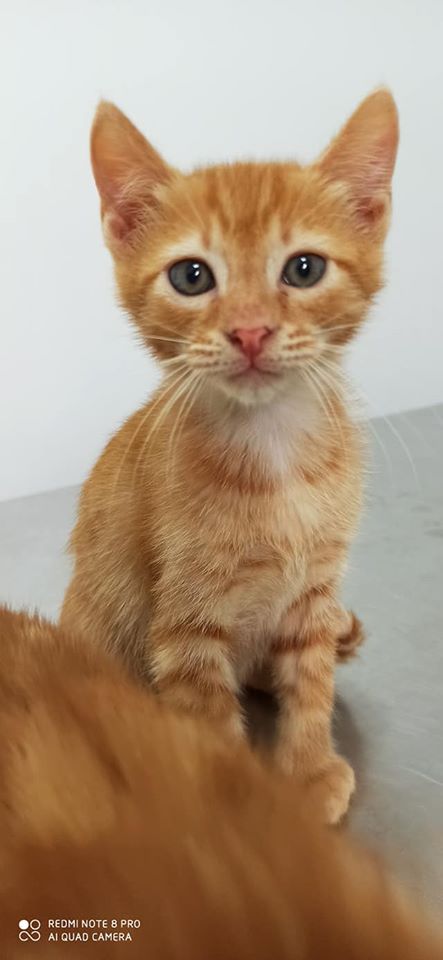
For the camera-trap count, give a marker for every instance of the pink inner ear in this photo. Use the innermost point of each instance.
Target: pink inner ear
(381, 164)
(363, 156)
(372, 208)
(121, 210)
(127, 171)
(372, 183)
(119, 226)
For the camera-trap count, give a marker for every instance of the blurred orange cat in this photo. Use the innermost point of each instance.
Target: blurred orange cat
(113, 806)
(214, 529)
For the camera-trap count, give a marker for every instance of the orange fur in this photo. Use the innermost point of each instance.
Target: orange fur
(112, 806)
(213, 531)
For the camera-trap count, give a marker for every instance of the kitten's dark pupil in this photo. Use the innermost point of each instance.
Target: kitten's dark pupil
(193, 273)
(303, 267)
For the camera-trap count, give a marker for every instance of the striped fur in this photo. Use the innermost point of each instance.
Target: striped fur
(213, 531)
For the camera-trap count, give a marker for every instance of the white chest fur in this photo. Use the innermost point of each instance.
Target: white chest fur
(268, 533)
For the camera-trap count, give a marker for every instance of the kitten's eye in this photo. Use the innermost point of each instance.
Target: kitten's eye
(304, 270)
(191, 277)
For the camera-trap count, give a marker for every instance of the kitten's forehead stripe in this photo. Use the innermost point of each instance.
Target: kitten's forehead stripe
(245, 197)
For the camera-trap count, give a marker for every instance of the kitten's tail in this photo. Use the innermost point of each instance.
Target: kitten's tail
(349, 643)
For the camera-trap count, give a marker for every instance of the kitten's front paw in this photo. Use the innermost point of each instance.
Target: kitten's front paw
(332, 789)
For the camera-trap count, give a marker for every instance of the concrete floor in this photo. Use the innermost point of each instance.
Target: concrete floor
(389, 713)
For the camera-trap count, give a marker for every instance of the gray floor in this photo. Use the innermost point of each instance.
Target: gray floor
(389, 715)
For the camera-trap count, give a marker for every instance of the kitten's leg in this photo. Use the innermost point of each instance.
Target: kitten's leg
(350, 637)
(192, 671)
(303, 663)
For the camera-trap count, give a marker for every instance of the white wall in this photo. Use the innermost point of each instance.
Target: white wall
(205, 81)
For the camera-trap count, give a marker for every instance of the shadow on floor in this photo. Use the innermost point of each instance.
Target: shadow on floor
(261, 711)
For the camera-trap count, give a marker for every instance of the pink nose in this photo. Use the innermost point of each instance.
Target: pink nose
(249, 340)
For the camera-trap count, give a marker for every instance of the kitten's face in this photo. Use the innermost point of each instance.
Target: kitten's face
(251, 276)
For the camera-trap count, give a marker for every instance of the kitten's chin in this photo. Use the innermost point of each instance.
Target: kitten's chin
(253, 388)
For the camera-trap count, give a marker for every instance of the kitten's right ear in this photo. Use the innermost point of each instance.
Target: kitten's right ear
(127, 171)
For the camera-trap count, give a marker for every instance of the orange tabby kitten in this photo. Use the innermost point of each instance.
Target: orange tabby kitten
(112, 807)
(214, 529)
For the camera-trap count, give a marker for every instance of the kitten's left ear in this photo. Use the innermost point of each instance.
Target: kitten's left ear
(363, 157)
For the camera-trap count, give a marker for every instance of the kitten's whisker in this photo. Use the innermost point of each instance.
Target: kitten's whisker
(183, 393)
(164, 390)
(386, 456)
(332, 387)
(330, 331)
(415, 430)
(160, 326)
(177, 360)
(319, 394)
(334, 366)
(125, 454)
(336, 327)
(400, 439)
(307, 370)
(139, 427)
(402, 443)
(337, 348)
(184, 412)
(335, 375)
(168, 339)
(179, 383)
(424, 776)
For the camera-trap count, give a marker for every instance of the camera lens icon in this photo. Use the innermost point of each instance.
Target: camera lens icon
(29, 930)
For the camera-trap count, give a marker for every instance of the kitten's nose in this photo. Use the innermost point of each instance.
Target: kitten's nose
(250, 340)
